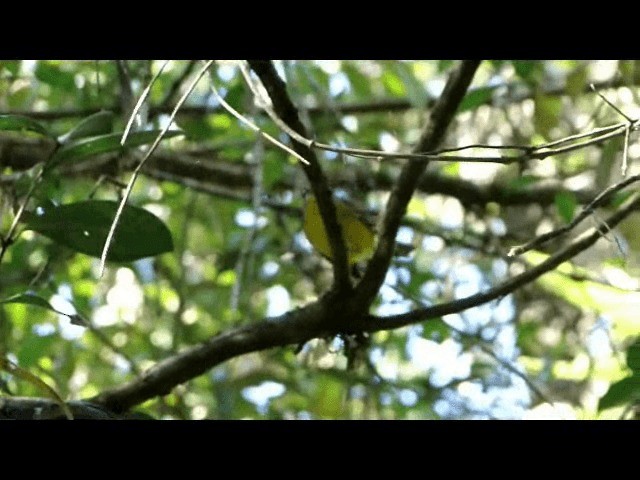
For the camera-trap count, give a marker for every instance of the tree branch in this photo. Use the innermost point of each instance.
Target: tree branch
(27, 408)
(291, 328)
(432, 135)
(579, 244)
(286, 111)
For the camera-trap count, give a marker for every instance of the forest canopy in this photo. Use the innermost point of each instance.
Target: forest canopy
(153, 262)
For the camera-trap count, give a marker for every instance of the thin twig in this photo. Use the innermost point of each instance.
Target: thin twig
(606, 100)
(256, 195)
(136, 172)
(625, 151)
(253, 126)
(532, 386)
(175, 86)
(8, 239)
(140, 102)
(586, 211)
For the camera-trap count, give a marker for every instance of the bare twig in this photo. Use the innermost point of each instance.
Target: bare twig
(612, 105)
(175, 86)
(140, 102)
(253, 126)
(136, 172)
(257, 159)
(602, 198)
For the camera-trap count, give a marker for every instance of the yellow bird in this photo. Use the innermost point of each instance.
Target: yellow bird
(359, 238)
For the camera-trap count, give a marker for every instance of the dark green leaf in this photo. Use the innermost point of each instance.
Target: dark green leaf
(29, 299)
(547, 113)
(444, 64)
(51, 73)
(520, 183)
(11, 66)
(566, 204)
(18, 123)
(435, 329)
(33, 348)
(633, 357)
(100, 123)
(360, 83)
(197, 129)
(620, 393)
(88, 147)
(528, 70)
(577, 81)
(475, 98)
(84, 226)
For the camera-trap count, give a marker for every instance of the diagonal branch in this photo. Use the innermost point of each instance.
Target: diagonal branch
(291, 328)
(579, 244)
(433, 133)
(286, 111)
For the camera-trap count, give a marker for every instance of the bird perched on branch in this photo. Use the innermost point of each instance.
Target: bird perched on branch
(359, 236)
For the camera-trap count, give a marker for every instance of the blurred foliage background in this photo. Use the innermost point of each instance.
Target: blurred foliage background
(560, 347)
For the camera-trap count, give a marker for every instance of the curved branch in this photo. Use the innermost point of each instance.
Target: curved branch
(291, 328)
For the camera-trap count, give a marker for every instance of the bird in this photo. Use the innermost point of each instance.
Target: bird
(359, 236)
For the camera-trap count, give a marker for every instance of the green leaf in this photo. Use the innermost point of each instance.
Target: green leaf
(474, 98)
(444, 65)
(566, 204)
(11, 66)
(620, 393)
(435, 329)
(415, 89)
(100, 123)
(19, 123)
(84, 226)
(33, 348)
(29, 299)
(393, 84)
(360, 83)
(522, 182)
(547, 113)
(51, 74)
(527, 70)
(577, 81)
(88, 147)
(633, 357)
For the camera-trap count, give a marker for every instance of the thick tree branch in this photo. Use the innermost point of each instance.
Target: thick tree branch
(433, 133)
(27, 408)
(318, 319)
(286, 111)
